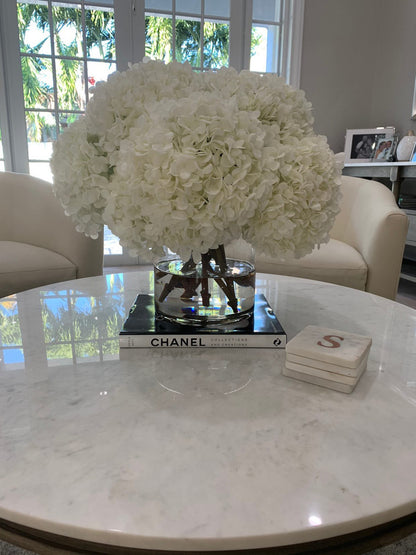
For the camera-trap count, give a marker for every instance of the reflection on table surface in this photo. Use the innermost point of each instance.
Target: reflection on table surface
(199, 447)
(79, 321)
(73, 325)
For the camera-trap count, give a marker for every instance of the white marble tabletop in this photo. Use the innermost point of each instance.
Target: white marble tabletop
(200, 449)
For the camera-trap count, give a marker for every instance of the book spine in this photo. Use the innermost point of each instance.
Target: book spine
(273, 341)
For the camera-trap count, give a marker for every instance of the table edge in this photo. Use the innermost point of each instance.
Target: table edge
(356, 542)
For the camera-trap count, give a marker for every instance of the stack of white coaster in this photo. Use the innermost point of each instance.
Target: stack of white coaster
(327, 357)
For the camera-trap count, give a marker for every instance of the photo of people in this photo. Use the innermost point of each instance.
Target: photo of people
(362, 146)
(384, 150)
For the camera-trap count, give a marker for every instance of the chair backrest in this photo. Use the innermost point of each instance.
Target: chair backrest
(362, 199)
(30, 213)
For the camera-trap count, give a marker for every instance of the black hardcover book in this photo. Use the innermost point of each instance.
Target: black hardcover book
(143, 329)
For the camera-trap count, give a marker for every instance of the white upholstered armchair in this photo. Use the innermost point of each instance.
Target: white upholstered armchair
(366, 247)
(38, 242)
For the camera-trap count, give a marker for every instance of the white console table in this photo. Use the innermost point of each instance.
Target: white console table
(395, 171)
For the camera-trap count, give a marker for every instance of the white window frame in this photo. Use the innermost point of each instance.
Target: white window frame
(130, 48)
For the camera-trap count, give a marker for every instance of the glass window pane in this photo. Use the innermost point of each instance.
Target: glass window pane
(65, 120)
(37, 82)
(163, 5)
(13, 359)
(187, 38)
(264, 56)
(111, 349)
(52, 310)
(158, 44)
(59, 354)
(41, 132)
(111, 243)
(100, 35)
(99, 71)
(216, 45)
(71, 84)
(192, 7)
(34, 30)
(258, 53)
(68, 30)
(41, 170)
(219, 8)
(1, 155)
(84, 326)
(266, 10)
(87, 350)
(11, 334)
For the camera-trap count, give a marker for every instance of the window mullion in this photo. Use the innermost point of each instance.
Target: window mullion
(240, 33)
(4, 111)
(173, 29)
(292, 33)
(293, 56)
(12, 106)
(201, 34)
(281, 62)
(130, 32)
(53, 64)
(285, 39)
(84, 50)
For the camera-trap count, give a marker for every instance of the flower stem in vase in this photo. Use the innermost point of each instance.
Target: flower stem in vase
(190, 285)
(189, 289)
(206, 267)
(209, 292)
(229, 281)
(175, 281)
(226, 283)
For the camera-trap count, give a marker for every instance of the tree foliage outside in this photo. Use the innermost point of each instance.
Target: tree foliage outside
(72, 325)
(159, 38)
(37, 69)
(216, 38)
(99, 35)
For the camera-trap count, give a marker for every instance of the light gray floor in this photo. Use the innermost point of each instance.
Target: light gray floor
(407, 546)
(8, 549)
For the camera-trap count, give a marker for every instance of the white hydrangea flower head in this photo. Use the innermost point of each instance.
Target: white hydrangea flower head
(165, 156)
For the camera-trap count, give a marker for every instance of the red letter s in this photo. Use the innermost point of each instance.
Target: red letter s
(334, 344)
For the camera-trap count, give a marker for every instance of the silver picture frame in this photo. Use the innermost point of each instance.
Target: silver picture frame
(360, 143)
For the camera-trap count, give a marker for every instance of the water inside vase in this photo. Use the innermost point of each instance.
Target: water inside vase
(202, 298)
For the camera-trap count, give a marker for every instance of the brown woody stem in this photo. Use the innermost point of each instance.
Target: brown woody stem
(225, 283)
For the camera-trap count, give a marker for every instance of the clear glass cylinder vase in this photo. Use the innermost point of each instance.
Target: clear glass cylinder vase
(215, 290)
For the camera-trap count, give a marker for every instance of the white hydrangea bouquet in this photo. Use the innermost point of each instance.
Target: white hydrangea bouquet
(168, 157)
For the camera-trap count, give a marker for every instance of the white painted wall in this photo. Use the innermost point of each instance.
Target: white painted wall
(394, 79)
(359, 65)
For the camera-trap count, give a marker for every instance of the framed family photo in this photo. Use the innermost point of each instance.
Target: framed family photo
(360, 144)
(385, 149)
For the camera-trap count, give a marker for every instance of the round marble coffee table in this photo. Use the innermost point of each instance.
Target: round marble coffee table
(199, 449)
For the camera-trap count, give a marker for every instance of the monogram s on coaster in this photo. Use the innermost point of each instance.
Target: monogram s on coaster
(327, 357)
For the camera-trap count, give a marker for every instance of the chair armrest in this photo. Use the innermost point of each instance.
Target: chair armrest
(32, 214)
(372, 223)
